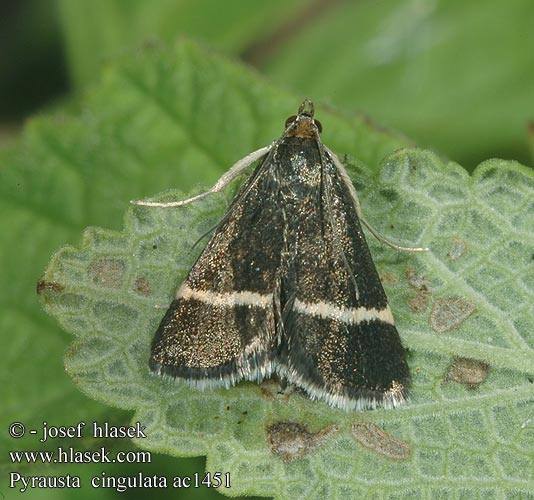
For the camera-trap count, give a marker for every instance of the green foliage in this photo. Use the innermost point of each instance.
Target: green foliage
(441, 71)
(453, 74)
(101, 29)
(475, 288)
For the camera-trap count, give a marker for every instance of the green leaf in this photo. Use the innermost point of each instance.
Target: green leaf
(101, 29)
(451, 74)
(470, 297)
(454, 75)
(107, 291)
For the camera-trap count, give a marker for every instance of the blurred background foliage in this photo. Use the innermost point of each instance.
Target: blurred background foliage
(453, 76)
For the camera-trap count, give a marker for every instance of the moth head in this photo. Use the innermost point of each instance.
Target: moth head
(303, 123)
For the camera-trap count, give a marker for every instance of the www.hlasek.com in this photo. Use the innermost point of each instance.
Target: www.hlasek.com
(70, 455)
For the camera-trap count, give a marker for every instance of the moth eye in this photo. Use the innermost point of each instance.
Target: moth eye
(319, 125)
(290, 120)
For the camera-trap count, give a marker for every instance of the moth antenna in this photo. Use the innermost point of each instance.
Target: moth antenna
(331, 216)
(359, 212)
(236, 169)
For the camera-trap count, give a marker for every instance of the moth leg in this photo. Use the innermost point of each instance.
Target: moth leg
(359, 212)
(236, 169)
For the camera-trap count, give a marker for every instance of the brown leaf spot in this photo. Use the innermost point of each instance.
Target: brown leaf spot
(448, 314)
(421, 285)
(49, 286)
(388, 278)
(469, 372)
(141, 286)
(269, 388)
(291, 441)
(375, 438)
(107, 272)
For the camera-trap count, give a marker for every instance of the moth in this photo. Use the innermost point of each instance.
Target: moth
(286, 285)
